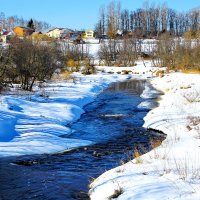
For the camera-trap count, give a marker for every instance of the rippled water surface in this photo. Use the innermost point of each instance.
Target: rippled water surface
(113, 122)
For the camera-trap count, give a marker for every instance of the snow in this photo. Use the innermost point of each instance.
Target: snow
(35, 123)
(171, 170)
(139, 69)
(91, 40)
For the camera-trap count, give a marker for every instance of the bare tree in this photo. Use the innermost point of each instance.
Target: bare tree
(34, 61)
(7, 68)
(108, 52)
(2, 20)
(128, 52)
(100, 27)
(113, 18)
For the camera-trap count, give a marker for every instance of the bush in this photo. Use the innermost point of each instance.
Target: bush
(177, 54)
(119, 53)
(108, 52)
(128, 52)
(28, 62)
(88, 66)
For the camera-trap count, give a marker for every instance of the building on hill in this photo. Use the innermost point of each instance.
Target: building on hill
(55, 32)
(5, 36)
(66, 33)
(88, 34)
(21, 31)
(59, 33)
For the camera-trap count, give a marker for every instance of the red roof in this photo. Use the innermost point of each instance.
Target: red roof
(6, 33)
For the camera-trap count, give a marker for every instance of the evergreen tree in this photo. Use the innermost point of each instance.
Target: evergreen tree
(31, 24)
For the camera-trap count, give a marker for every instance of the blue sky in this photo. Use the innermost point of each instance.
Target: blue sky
(76, 14)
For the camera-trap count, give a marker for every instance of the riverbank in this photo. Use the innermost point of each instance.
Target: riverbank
(33, 122)
(171, 170)
(112, 122)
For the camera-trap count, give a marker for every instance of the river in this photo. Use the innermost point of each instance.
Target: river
(113, 122)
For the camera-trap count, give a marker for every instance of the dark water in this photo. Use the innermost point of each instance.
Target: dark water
(112, 121)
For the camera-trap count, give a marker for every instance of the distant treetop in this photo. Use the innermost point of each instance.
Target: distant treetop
(31, 24)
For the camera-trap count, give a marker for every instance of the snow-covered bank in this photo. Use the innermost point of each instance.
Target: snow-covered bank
(172, 170)
(145, 69)
(33, 123)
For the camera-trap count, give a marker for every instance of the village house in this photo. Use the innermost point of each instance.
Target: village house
(55, 33)
(5, 36)
(21, 31)
(66, 34)
(59, 33)
(88, 34)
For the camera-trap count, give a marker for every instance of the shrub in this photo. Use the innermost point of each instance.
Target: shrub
(176, 54)
(31, 61)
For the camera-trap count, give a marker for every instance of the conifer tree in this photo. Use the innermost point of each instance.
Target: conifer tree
(31, 24)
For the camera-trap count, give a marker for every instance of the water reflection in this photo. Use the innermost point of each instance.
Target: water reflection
(132, 86)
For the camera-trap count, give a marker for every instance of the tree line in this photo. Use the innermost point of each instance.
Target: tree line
(8, 23)
(149, 21)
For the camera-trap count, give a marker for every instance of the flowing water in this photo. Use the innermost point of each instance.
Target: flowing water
(113, 122)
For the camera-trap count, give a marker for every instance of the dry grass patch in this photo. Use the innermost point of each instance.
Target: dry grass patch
(191, 71)
(137, 157)
(65, 75)
(117, 193)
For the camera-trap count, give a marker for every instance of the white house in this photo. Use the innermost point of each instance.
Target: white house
(58, 32)
(55, 33)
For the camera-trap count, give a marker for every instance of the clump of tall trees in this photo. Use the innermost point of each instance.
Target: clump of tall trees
(25, 61)
(149, 21)
(177, 33)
